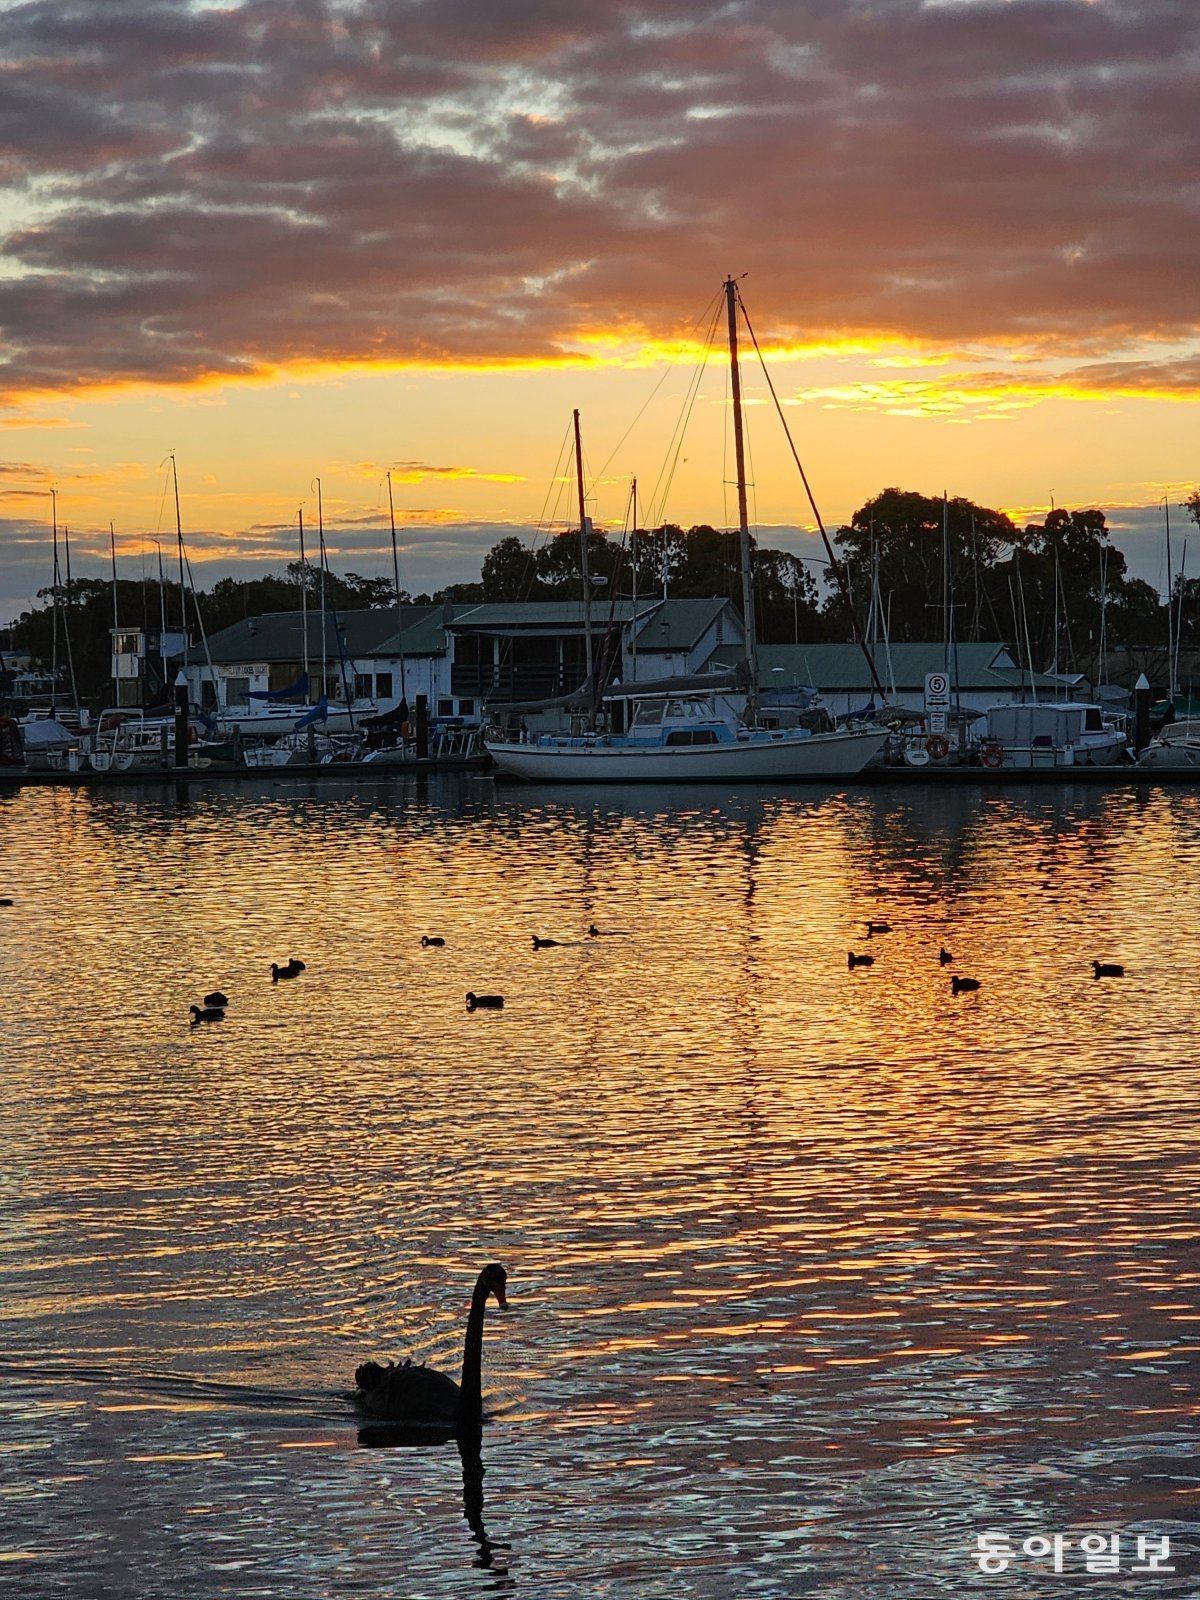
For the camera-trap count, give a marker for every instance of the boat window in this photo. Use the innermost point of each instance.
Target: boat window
(1091, 720)
(691, 736)
(648, 713)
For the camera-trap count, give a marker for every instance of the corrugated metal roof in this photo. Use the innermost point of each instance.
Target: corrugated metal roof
(279, 635)
(680, 624)
(986, 665)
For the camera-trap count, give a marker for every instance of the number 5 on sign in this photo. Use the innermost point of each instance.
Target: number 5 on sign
(937, 691)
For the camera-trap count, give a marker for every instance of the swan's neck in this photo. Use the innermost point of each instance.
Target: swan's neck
(470, 1405)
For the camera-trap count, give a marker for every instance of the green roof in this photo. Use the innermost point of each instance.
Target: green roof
(831, 667)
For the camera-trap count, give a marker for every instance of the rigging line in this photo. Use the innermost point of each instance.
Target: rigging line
(839, 576)
(712, 309)
(671, 465)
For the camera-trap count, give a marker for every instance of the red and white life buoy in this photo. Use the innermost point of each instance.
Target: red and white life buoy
(938, 746)
(991, 756)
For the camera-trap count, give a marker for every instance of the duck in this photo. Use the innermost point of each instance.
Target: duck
(1107, 969)
(206, 1014)
(428, 941)
(853, 961)
(945, 959)
(878, 927)
(963, 985)
(293, 970)
(422, 1397)
(6, 901)
(216, 998)
(544, 944)
(485, 1002)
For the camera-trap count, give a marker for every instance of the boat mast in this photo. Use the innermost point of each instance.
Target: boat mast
(1170, 608)
(112, 545)
(584, 530)
(396, 586)
(54, 637)
(324, 563)
(179, 543)
(743, 519)
(633, 629)
(303, 606)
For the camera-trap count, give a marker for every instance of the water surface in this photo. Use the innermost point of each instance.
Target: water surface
(814, 1275)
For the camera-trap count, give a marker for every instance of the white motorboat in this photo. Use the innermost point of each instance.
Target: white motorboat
(1176, 748)
(1067, 734)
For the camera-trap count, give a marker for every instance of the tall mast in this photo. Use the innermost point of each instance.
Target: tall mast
(743, 519)
(584, 530)
(303, 607)
(324, 564)
(396, 586)
(634, 564)
(162, 599)
(1170, 606)
(54, 644)
(179, 544)
(112, 545)
(67, 621)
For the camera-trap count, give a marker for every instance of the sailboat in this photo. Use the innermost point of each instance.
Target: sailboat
(690, 734)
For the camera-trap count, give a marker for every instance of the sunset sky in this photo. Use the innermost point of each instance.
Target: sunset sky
(291, 239)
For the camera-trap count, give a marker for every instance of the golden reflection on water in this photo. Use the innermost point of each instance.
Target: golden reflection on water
(760, 1212)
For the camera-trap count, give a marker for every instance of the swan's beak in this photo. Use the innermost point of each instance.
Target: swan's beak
(500, 1298)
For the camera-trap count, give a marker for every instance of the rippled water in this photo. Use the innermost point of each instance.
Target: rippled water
(814, 1274)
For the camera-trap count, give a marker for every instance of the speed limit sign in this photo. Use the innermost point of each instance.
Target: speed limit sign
(937, 691)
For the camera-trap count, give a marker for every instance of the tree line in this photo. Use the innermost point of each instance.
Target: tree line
(907, 567)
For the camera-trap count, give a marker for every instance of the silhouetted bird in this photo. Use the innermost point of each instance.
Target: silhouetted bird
(485, 1002)
(963, 985)
(207, 1014)
(426, 941)
(945, 959)
(216, 998)
(853, 961)
(293, 970)
(1107, 969)
(878, 927)
(544, 944)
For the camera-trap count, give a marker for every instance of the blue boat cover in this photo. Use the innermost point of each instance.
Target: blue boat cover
(294, 691)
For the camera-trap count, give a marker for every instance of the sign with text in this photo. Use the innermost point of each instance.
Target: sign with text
(937, 691)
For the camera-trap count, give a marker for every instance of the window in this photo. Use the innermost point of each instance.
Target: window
(466, 708)
(362, 685)
(383, 686)
(237, 691)
(445, 708)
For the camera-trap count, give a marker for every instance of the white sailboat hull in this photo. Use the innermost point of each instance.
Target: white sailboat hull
(755, 760)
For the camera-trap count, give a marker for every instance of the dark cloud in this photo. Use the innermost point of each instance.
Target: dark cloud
(219, 191)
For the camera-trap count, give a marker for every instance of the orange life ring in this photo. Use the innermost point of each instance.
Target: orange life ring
(938, 746)
(992, 755)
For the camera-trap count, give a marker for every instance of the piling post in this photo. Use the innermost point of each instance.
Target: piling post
(1141, 713)
(181, 721)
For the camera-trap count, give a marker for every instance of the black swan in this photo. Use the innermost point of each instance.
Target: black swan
(426, 941)
(853, 961)
(1107, 969)
(216, 998)
(963, 985)
(423, 1398)
(544, 944)
(207, 1014)
(945, 959)
(293, 970)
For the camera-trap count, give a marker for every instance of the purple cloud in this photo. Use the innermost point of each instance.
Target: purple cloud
(205, 192)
